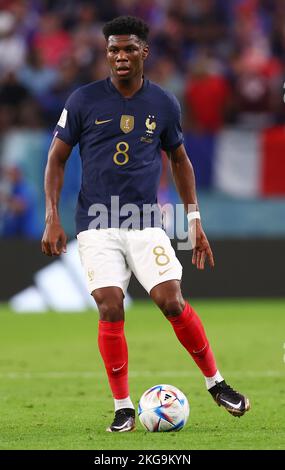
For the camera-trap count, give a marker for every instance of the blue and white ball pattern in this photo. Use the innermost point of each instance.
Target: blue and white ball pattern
(163, 408)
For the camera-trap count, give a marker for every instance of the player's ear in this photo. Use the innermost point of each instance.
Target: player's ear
(145, 51)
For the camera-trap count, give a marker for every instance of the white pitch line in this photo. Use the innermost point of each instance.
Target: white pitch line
(133, 374)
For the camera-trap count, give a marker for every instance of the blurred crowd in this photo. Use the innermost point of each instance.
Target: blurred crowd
(224, 60)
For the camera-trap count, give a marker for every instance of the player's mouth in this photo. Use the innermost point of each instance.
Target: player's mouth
(122, 71)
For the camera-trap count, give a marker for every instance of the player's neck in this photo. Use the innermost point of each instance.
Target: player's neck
(128, 88)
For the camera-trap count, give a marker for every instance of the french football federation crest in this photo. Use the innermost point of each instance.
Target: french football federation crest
(91, 275)
(151, 125)
(127, 123)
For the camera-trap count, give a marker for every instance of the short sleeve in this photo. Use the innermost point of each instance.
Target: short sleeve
(172, 136)
(68, 127)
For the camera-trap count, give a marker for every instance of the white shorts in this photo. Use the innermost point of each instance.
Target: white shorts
(109, 256)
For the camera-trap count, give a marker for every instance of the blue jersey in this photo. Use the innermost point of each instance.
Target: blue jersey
(120, 142)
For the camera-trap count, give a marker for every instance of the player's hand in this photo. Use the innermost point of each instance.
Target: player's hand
(202, 250)
(54, 239)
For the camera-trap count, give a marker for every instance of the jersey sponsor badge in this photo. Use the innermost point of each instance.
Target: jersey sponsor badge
(127, 123)
(63, 118)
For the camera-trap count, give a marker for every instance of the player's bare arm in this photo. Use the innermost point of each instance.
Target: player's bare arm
(184, 178)
(54, 237)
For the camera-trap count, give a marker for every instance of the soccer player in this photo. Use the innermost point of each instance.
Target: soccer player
(121, 124)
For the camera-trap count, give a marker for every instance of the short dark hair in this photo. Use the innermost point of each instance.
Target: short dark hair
(126, 25)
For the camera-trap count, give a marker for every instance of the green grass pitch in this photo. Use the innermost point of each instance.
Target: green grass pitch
(54, 393)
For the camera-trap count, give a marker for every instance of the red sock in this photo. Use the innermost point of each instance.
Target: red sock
(191, 334)
(114, 351)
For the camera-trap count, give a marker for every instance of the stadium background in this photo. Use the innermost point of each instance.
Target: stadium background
(225, 63)
(224, 60)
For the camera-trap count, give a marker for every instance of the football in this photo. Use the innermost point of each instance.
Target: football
(163, 408)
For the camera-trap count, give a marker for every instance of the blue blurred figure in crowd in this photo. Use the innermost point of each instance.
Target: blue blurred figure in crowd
(18, 214)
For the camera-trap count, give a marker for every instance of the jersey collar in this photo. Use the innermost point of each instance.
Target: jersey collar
(112, 88)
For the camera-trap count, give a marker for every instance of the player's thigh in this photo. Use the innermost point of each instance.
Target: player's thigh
(103, 260)
(152, 257)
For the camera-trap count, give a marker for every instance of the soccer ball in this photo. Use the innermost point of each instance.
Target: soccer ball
(163, 408)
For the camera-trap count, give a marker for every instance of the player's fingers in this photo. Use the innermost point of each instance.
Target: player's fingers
(210, 257)
(198, 258)
(194, 256)
(54, 249)
(46, 248)
(49, 250)
(202, 260)
(63, 240)
(43, 247)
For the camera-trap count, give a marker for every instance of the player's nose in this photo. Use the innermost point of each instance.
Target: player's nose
(122, 55)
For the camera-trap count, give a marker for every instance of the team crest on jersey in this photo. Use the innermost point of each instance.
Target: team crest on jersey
(150, 124)
(127, 123)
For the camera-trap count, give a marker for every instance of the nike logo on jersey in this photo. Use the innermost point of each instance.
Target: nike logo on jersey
(232, 405)
(118, 368)
(163, 272)
(103, 122)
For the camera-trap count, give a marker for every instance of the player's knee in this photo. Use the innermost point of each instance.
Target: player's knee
(111, 311)
(111, 308)
(172, 306)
